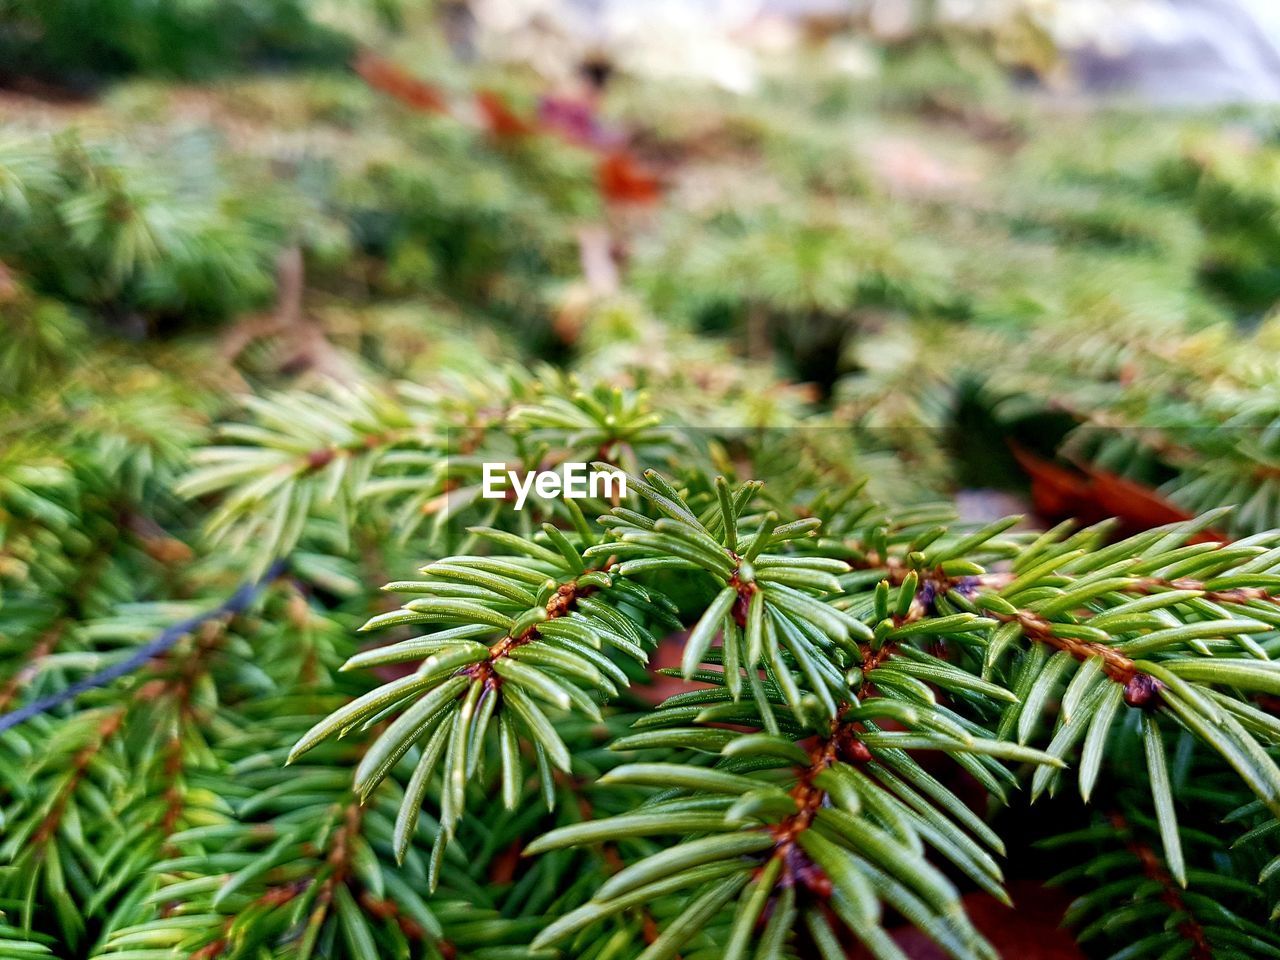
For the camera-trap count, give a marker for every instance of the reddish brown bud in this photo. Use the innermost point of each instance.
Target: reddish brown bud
(858, 752)
(320, 458)
(742, 605)
(817, 882)
(1143, 691)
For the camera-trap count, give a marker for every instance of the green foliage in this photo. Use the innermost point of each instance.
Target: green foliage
(90, 225)
(441, 728)
(83, 42)
(1168, 627)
